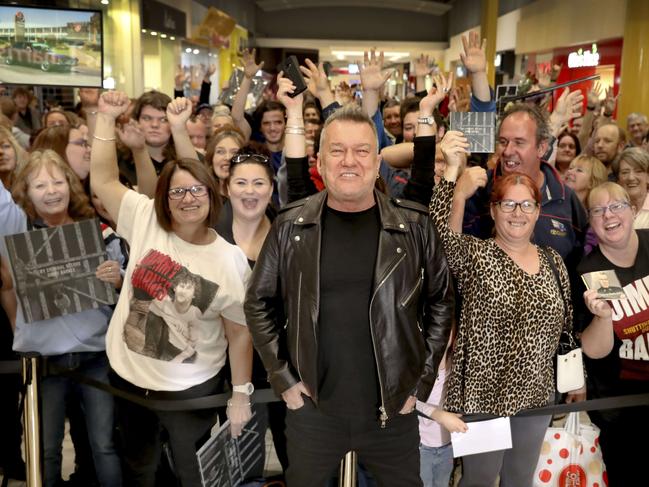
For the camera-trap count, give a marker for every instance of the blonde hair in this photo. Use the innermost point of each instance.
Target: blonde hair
(21, 154)
(614, 191)
(598, 171)
(79, 207)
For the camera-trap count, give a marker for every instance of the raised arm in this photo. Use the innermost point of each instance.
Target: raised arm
(178, 112)
(299, 184)
(206, 85)
(133, 138)
(568, 106)
(250, 68)
(422, 175)
(318, 83)
(372, 80)
(294, 139)
(475, 61)
(104, 173)
(427, 105)
(422, 66)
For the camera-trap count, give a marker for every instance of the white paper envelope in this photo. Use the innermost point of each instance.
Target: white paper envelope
(483, 436)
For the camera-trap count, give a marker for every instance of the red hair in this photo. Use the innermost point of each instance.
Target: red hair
(503, 183)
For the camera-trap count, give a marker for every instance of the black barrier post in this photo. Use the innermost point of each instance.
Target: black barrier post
(32, 437)
(347, 477)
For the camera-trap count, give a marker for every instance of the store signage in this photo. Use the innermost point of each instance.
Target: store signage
(581, 58)
(159, 17)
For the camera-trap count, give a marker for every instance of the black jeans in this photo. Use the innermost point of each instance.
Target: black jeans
(141, 432)
(317, 442)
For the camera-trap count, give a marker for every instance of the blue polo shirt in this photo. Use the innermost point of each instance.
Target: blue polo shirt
(562, 223)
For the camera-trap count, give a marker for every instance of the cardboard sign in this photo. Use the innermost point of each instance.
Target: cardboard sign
(225, 461)
(54, 270)
(478, 127)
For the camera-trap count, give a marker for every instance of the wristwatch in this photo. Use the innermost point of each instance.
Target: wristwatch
(426, 120)
(246, 388)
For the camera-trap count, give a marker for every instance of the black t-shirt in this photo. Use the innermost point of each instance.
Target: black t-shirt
(127, 173)
(626, 369)
(348, 380)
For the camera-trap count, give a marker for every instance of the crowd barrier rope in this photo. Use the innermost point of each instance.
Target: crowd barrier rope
(30, 367)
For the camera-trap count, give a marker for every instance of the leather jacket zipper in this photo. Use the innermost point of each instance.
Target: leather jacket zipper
(383, 415)
(297, 334)
(406, 301)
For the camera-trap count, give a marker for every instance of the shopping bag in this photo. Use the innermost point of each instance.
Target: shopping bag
(571, 456)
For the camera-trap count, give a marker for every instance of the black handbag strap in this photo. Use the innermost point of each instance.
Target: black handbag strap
(571, 340)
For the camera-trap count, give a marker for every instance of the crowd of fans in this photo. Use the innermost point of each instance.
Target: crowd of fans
(190, 191)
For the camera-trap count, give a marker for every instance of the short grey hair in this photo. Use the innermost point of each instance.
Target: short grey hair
(635, 156)
(635, 116)
(349, 113)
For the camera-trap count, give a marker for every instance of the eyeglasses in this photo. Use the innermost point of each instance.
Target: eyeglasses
(526, 206)
(197, 191)
(244, 157)
(615, 208)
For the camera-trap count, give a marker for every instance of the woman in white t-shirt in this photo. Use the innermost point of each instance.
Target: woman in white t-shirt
(181, 306)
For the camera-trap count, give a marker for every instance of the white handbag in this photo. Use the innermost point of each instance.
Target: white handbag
(570, 371)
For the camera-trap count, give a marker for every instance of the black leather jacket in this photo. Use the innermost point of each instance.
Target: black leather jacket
(410, 310)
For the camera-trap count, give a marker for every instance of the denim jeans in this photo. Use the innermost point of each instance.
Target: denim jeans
(435, 465)
(98, 410)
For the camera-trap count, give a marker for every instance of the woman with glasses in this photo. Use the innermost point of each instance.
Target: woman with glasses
(615, 336)
(47, 193)
(512, 315)
(169, 336)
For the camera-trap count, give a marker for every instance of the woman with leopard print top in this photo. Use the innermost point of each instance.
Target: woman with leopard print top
(511, 318)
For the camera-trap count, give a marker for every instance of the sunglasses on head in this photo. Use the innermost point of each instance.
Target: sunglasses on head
(239, 158)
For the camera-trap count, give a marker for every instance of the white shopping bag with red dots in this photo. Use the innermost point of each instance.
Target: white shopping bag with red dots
(571, 457)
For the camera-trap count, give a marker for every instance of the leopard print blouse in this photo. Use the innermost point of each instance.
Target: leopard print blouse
(510, 322)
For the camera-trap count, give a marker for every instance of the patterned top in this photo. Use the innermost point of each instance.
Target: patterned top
(510, 322)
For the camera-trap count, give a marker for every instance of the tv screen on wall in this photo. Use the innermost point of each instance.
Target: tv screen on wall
(46, 46)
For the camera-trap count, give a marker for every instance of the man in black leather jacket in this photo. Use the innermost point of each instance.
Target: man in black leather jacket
(350, 307)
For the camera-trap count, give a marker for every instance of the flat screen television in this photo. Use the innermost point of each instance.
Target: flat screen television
(51, 46)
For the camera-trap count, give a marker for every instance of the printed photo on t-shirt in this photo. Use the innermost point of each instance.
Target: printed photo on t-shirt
(166, 308)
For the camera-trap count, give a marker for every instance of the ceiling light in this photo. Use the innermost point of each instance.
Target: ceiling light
(172, 38)
(143, 31)
(188, 50)
(154, 33)
(196, 51)
(104, 2)
(164, 36)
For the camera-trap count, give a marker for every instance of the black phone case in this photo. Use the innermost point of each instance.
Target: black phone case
(291, 69)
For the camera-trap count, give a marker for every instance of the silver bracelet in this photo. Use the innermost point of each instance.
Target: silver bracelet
(110, 139)
(294, 130)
